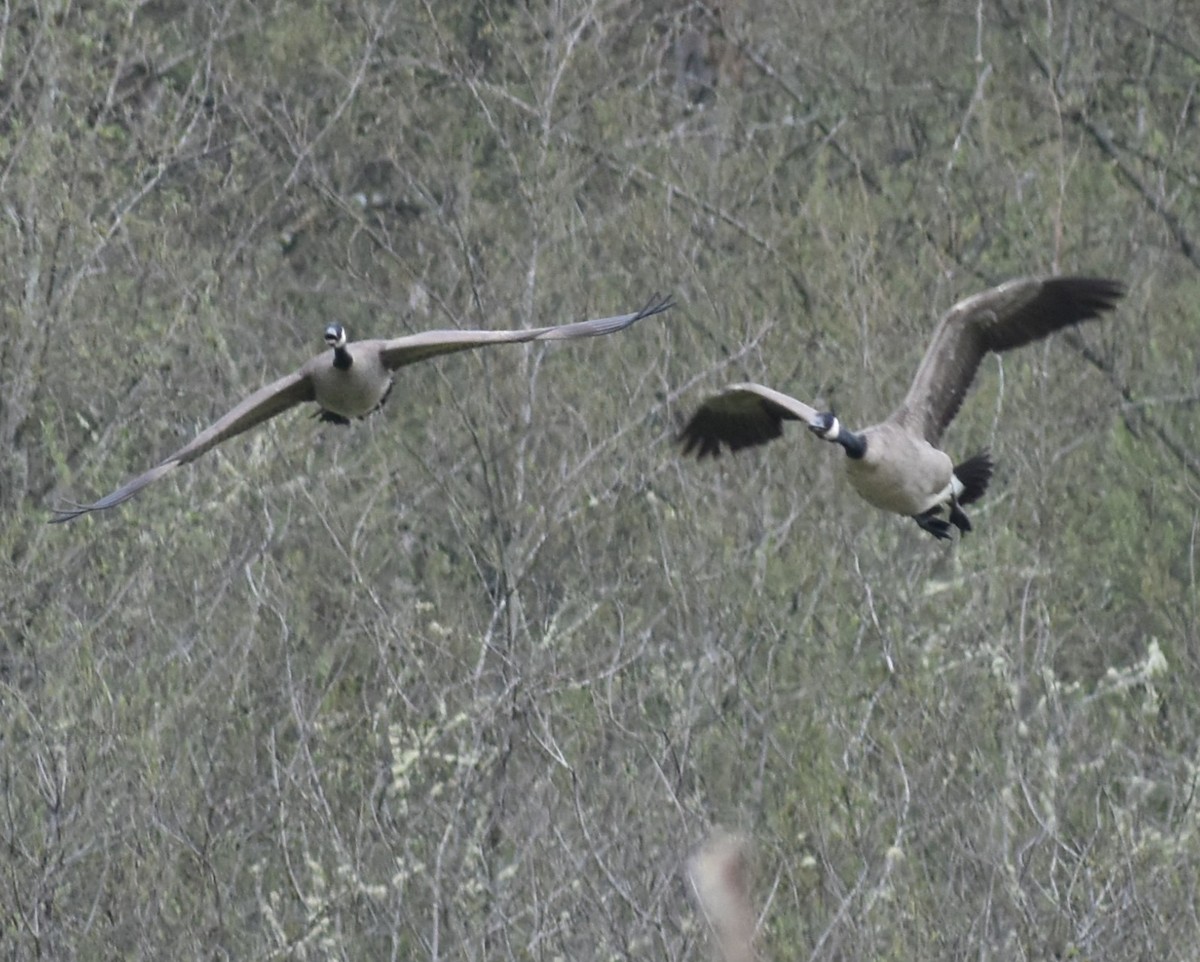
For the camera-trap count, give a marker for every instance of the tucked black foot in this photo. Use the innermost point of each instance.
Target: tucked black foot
(938, 527)
(958, 518)
(331, 418)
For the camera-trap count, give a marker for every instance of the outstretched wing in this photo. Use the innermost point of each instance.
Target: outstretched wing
(400, 351)
(741, 416)
(1014, 314)
(265, 403)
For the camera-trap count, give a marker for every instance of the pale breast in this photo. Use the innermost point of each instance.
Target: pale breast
(900, 473)
(356, 391)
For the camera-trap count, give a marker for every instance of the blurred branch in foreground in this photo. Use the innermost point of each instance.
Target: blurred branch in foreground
(720, 875)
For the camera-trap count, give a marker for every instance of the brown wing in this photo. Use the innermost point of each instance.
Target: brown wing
(265, 403)
(400, 351)
(741, 416)
(1008, 316)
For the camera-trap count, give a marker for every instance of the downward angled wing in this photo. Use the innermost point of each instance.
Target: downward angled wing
(1011, 315)
(741, 416)
(400, 351)
(264, 403)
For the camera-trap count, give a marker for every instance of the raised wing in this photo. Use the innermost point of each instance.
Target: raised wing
(400, 351)
(1011, 315)
(265, 403)
(741, 416)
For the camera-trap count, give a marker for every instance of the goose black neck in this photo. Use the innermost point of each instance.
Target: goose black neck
(341, 358)
(855, 444)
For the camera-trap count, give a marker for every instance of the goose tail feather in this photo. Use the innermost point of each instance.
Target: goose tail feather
(974, 474)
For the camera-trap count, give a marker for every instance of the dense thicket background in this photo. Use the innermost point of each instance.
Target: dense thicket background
(470, 679)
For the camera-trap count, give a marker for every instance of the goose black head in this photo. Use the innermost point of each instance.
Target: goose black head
(335, 336)
(825, 425)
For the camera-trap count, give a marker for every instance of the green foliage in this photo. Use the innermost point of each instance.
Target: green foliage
(471, 678)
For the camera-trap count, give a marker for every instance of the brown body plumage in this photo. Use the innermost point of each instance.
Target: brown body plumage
(349, 381)
(897, 465)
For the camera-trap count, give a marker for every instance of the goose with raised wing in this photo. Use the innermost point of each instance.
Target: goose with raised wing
(897, 465)
(350, 380)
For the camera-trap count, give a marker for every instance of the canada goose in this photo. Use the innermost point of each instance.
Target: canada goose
(896, 464)
(350, 381)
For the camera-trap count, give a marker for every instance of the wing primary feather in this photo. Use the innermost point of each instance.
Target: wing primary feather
(1008, 316)
(402, 351)
(260, 406)
(741, 416)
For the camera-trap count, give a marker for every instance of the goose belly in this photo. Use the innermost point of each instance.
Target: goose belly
(906, 476)
(356, 391)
